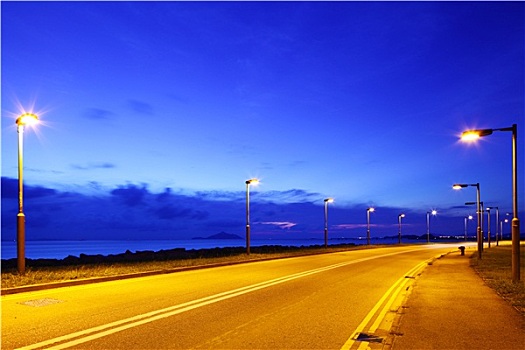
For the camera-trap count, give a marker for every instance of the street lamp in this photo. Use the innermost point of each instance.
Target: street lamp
(481, 224)
(466, 225)
(471, 135)
(248, 183)
(399, 217)
(501, 227)
(326, 201)
(478, 231)
(506, 221)
(368, 211)
(488, 225)
(497, 220)
(21, 122)
(433, 212)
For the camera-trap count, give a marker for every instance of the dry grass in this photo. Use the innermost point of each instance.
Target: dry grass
(496, 270)
(11, 278)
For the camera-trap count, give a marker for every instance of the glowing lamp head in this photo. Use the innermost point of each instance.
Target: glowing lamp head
(252, 181)
(459, 186)
(27, 119)
(472, 135)
(329, 200)
(401, 215)
(434, 212)
(470, 217)
(371, 209)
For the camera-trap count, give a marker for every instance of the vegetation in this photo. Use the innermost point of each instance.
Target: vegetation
(38, 273)
(496, 270)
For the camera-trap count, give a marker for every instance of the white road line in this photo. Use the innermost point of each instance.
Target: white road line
(117, 326)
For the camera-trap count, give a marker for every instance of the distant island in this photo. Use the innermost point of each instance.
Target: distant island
(220, 235)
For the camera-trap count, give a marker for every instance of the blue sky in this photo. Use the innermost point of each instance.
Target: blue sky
(153, 114)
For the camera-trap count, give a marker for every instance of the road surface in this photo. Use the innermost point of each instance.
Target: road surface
(328, 301)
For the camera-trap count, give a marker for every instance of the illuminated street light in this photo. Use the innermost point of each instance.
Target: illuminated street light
(466, 225)
(248, 183)
(368, 211)
(326, 201)
(471, 135)
(399, 217)
(501, 227)
(478, 231)
(21, 122)
(506, 220)
(433, 212)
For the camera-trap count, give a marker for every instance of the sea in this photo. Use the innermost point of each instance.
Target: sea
(61, 249)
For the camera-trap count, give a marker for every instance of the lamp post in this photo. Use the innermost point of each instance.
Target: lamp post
(326, 201)
(501, 227)
(368, 211)
(478, 231)
(506, 221)
(21, 122)
(433, 212)
(488, 225)
(471, 135)
(399, 217)
(481, 224)
(497, 220)
(466, 225)
(248, 183)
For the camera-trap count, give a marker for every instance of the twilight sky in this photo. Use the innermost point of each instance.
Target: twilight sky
(153, 115)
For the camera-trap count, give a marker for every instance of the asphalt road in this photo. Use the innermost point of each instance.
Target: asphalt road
(314, 302)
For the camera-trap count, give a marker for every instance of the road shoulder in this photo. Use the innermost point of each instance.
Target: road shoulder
(450, 307)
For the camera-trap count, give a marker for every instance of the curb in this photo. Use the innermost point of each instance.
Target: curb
(70, 283)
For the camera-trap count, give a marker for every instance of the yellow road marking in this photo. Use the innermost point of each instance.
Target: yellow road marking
(117, 326)
(397, 286)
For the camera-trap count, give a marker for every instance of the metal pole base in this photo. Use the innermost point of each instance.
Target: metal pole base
(516, 250)
(21, 242)
(248, 239)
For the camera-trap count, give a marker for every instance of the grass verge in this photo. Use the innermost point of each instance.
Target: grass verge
(38, 275)
(496, 270)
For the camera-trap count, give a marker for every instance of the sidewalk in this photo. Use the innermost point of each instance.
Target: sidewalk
(450, 307)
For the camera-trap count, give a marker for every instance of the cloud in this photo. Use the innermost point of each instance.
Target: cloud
(130, 195)
(349, 226)
(280, 224)
(221, 195)
(97, 114)
(9, 188)
(133, 211)
(290, 196)
(140, 107)
(171, 212)
(178, 98)
(297, 163)
(91, 166)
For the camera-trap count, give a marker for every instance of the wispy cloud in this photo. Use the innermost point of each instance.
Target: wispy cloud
(98, 114)
(280, 224)
(290, 196)
(140, 107)
(90, 166)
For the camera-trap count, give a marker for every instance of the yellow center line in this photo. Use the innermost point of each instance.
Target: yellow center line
(86, 335)
(399, 285)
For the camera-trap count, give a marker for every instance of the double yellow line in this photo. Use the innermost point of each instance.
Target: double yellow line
(391, 294)
(83, 336)
(93, 333)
